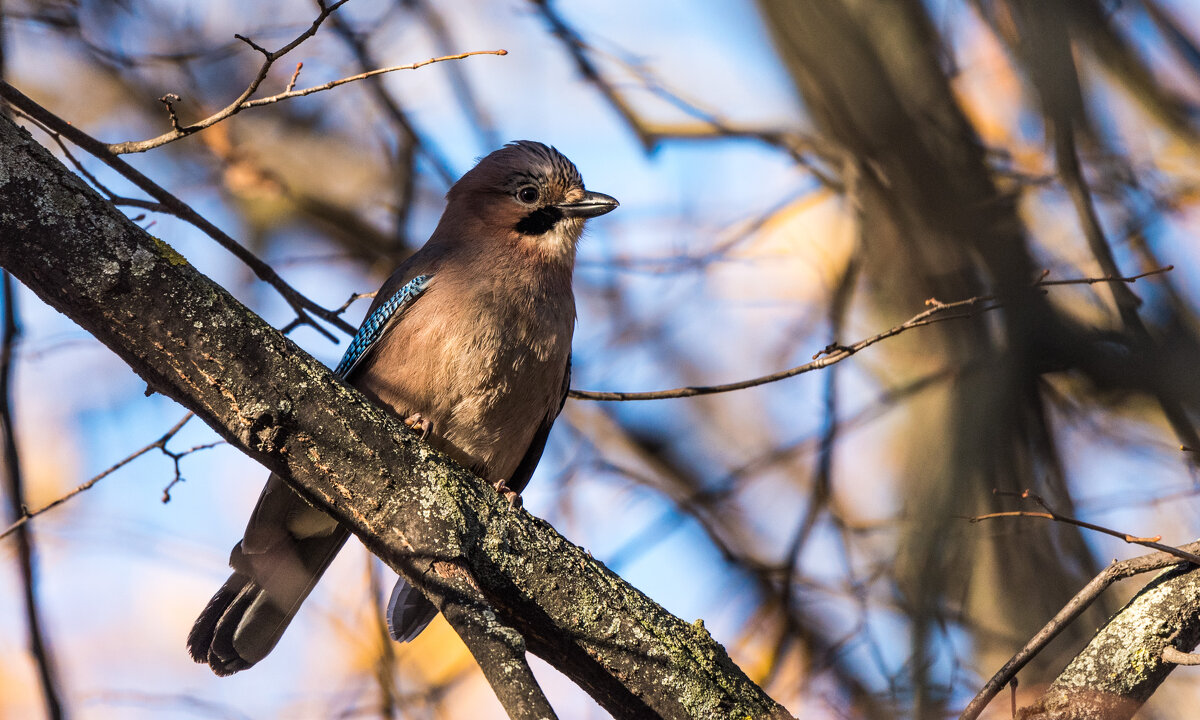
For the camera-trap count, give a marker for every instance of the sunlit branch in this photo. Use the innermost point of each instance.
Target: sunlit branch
(243, 101)
(1072, 610)
(371, 73)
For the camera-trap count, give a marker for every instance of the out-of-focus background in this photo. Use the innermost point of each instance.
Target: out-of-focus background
(790, 175)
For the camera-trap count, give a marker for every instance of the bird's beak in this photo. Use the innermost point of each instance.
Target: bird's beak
(592, 204)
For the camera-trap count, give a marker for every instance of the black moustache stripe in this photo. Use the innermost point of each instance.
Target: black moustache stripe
(539, 221)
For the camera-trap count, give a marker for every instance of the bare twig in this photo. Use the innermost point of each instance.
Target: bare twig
(1072, 610)
(1050, 514)
(830, 355)
(176, 456)
(237, 105)
(14, 489)
(834, 352)
(295, 76)
(1176, 656)
(244, 102)
(169, 100)
(1107, 278)
(355, 297)
(286, 329)
(160, 444)
(361, 76)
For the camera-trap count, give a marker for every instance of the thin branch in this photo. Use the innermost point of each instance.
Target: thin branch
(287, 329)
(650, 135)
(295, 76)
(835, 353)
(39, 649)
(298, 302)
(1050, 514)
(161, 444)
(1176, 656)
(169, 101)
(830, 355)
(80, 168)
(176, 456)
(370, 73)
(822, 479)
(1106, 278)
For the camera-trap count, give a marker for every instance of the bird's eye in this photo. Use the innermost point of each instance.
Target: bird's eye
(528, 194)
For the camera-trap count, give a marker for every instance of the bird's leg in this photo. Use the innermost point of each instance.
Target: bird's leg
(416, 421)
(513, 497)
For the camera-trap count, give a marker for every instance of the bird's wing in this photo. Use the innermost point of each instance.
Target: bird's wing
(281, 516)
(288, 543)
(520, 476)
(379, 321)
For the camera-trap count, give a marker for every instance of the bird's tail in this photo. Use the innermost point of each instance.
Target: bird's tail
(408, 612)
(246, 617)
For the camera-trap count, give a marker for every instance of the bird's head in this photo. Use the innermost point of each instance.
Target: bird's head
(529, 194)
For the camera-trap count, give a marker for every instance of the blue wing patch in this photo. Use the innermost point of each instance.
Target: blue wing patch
(373, 327)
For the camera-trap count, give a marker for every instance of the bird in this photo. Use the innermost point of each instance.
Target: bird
(469, 343)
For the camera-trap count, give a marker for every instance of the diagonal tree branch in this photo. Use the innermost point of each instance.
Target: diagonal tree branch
(1070, 612)
(447, 533)
(299, 303)
(1124, 662)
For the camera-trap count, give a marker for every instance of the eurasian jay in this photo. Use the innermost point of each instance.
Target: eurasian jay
(470, 342)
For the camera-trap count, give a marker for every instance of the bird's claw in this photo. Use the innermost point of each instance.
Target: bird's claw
(513, 497)
(416, 421)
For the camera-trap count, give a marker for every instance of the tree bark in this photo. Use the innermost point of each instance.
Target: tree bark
(440, 527)
(1123, 664)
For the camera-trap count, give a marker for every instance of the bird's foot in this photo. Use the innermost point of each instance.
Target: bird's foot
(513, 497)
(416, 421)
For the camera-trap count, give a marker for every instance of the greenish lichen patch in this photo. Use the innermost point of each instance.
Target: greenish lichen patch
(168, 253)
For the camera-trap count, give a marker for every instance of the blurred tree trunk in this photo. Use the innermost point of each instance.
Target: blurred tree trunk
(935, 225)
